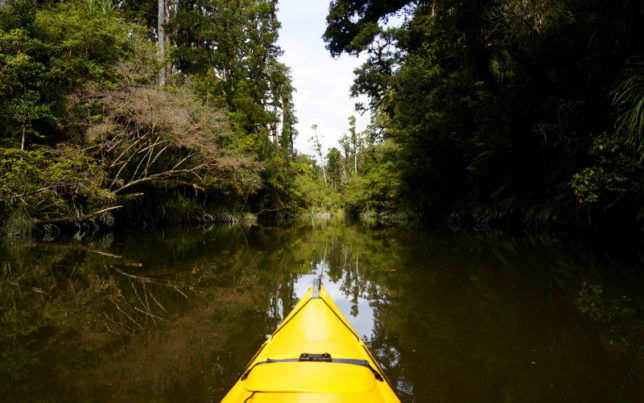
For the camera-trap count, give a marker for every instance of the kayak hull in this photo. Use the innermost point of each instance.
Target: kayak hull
(314, 355)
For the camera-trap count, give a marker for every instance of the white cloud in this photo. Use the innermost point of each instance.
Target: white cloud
(322, 83)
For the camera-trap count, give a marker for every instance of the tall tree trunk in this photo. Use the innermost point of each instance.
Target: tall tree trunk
(345, 172)
(161, 41)
(24, 138)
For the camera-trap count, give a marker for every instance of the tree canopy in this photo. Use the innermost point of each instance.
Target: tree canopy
(505, 110)
(80, 91)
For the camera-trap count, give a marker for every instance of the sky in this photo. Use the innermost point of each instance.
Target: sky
(322, 83)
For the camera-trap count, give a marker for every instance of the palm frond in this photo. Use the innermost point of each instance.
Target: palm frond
(629, 101)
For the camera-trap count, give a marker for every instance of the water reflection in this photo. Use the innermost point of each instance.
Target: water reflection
(356, 307)
(174, 315)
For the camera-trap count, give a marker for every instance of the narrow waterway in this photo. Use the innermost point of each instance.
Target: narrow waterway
(175, 314)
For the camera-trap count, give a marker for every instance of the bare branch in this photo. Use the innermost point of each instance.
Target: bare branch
(77, 219)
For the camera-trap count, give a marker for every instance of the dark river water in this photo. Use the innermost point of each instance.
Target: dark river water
(175, 314)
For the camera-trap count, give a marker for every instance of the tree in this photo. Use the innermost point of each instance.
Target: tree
(161, 40)
(21, 81)
(28, 109)
(317, 147)
(334, 167)
(346, 33)
(352, 144)
(378, 186)
(229, 48)
(78, 73)
(46, 54)
(498, 105)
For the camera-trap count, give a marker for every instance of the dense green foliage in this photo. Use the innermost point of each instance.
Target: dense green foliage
(46, 183)
(230, 46)
(363, 178)
(486, 113)
(228, 49)
(45, 55)
(506, 111)
(85, 129)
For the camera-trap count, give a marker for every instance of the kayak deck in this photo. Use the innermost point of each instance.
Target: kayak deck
(314, 355)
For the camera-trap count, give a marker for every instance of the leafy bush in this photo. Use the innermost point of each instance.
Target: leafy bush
(617, 173)
(47, 53)
(46, 183)
(378, 187)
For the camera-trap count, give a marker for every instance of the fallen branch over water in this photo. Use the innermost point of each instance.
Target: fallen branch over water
(76, 219)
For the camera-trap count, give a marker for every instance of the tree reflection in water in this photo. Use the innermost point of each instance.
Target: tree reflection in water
(176, 314)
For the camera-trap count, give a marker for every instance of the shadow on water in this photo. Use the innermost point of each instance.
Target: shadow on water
(174, 315)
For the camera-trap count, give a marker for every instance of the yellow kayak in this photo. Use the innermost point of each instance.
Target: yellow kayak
(314, 355)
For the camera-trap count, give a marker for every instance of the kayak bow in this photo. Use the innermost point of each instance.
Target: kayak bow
(314, 355)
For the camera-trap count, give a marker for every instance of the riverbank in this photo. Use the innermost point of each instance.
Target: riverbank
(189, 213)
